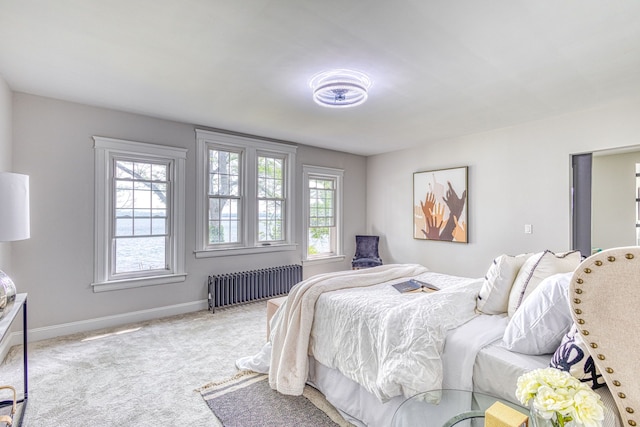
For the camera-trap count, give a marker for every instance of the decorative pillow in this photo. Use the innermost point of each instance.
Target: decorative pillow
(494, 295)
(537, 268)
(572, 356)
(538, 325)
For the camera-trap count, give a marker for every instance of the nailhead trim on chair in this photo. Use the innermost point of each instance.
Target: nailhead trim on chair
(585, 332)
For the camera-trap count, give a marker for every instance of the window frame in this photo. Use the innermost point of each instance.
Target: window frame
(107, 151)
(320, 172)
(251, 149)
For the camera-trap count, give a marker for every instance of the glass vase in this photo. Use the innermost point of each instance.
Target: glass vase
(537, 420)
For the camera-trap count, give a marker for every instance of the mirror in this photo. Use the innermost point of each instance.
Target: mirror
(614, 193)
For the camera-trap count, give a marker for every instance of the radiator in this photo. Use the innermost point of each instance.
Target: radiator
(237, 288)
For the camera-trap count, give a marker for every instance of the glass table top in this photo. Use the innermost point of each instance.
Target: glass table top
(447, 408)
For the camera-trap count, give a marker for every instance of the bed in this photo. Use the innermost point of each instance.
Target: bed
(367, 347)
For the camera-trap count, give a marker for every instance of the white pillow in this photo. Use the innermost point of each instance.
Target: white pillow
(537, 268)
(494, 294)
(538, 325)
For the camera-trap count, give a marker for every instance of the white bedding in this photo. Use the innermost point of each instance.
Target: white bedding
(463, 344)
(395, 346)
(291, 324)
(497, 369)
(388, 342)
(362, 408)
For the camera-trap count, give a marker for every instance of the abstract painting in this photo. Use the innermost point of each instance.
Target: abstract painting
(440, 205)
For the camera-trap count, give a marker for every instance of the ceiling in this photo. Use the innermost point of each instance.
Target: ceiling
(440, 68)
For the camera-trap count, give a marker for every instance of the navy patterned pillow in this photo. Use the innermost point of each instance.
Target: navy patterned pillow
(572, 356)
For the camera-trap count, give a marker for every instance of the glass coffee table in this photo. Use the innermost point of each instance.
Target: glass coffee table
(447, 408)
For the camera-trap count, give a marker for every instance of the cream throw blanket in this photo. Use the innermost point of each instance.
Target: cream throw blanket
(291, 325)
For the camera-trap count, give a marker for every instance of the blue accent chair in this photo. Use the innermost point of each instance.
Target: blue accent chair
(366, 252)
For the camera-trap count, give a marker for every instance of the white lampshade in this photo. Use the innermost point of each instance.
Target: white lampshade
(14, 207)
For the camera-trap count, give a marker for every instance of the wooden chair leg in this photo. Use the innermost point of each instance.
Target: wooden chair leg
(8, 419)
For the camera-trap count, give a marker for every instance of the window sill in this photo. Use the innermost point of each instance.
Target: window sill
(323, 260)
(138, 282)
(244, 251)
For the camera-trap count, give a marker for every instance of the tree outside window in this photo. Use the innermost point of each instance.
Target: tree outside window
(245, 195)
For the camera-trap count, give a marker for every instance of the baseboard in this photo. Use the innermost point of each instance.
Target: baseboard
(14, 338)
(38, 334)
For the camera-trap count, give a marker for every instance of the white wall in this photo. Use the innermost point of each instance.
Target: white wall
(5, 157)
(517, 176)
(53, 144)
(613, 203)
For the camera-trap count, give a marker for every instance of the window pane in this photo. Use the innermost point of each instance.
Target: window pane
(124, 194)
(142, 171)
(124, 170)
(321, 202)
(270, 198)
(159, 172)
(140, 234)
(158, 195)
(142, 196)
(224, 223)
(319, 241)
(270, 177)
(270, 220)
(142, 226)
(124, 227)
(139, 254)
(159, 226)
(224, 173)
(322, 231)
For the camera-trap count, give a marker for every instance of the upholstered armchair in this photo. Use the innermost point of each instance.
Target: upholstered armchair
(604, 297)
(366, 252)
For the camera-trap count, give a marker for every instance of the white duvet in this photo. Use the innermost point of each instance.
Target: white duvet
(291, 325)
(388, 342)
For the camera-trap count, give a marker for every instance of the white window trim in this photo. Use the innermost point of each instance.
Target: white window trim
(338, 175)
(251, 149)
(105, 150)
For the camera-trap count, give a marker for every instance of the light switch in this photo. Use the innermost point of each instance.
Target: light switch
(528, 229)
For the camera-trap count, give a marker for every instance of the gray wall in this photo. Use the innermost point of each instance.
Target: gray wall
(517, 176)
(53, 144)
(5, 159)
(613, 200)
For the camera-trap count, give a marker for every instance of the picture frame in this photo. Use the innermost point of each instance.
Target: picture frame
(440, 205)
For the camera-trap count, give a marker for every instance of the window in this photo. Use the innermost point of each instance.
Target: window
(323, 213)
(271, 199)
(141, 231)
(248, 195)
(139, 202)
(224, 196)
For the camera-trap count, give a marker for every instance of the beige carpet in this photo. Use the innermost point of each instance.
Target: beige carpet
(140, 375)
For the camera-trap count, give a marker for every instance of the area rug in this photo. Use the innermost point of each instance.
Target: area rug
(246, 400)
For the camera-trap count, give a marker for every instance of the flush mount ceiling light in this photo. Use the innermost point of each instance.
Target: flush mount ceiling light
(340, 88)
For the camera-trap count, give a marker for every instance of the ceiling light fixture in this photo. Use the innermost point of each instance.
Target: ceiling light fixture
(340, 88)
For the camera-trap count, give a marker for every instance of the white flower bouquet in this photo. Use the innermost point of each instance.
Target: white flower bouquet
(560, 398)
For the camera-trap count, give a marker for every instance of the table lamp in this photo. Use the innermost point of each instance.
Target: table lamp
(14, 222)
